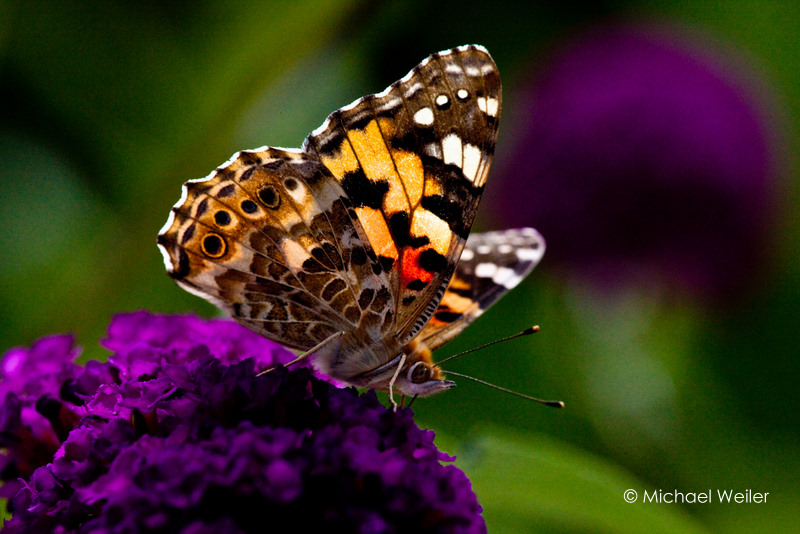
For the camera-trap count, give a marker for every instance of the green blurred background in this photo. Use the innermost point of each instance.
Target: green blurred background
(107, 110)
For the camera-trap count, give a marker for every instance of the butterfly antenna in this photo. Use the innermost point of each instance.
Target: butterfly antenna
(550, 403)
(526, 332)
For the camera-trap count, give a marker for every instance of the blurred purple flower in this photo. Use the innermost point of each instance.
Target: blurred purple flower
(181, 435)
(636, 156)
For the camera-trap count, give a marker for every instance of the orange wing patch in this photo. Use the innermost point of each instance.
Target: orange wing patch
(425, 223)
(377, 232)
(412, 175)
(343, 162)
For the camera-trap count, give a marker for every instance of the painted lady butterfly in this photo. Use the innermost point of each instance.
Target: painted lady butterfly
(355, 248)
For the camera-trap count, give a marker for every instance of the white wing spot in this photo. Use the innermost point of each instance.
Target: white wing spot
(491, 107)
(473, 71)
(467, 255)
(484, 249)
(485, 270)
(453, 68)
(442, 100)
(506, 277)
(472, 161)
(462, 94)
(530, 254)
(451, 145)
(424, 116)
(505, 249)
(502, 274)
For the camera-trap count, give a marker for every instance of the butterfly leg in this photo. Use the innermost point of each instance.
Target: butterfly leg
(296, 360)
(328, 349)
(394, 379)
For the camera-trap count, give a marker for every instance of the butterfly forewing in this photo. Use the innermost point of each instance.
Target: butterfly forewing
(413, 161)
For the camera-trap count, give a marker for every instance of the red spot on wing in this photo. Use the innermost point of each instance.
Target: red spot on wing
(410, 267)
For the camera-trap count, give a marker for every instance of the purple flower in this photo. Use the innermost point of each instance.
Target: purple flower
(33, 419)
(45, 393)
(636, 155)
(192, 440)
(142, 342)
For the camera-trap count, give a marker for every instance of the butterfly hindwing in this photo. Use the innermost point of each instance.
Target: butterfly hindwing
(492, 263)
(269, 238)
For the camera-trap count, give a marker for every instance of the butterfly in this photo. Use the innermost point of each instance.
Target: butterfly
(356, 248)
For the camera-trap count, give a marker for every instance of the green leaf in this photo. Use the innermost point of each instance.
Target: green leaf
(536, 484)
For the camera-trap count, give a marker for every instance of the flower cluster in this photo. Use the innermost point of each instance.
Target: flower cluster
(638, 155)
(178, 433)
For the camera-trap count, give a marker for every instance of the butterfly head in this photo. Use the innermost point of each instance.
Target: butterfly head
(420, 379)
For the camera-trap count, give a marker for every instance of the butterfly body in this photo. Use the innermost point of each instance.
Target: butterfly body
(349, 247)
